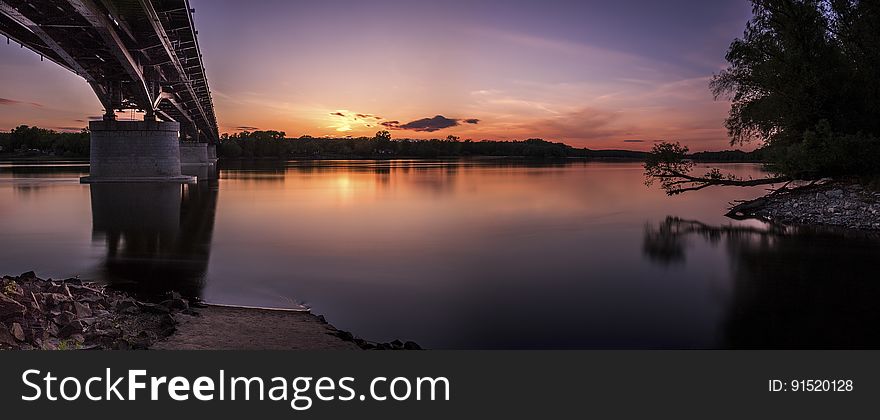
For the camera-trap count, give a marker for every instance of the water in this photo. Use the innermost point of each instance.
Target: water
(457, 254)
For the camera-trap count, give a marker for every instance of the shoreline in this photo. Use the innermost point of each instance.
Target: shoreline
(11, 158)
(71, 314)
(834, 204)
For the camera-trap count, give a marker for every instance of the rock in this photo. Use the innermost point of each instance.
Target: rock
(156, 309)
(52, 329)
(123, 304)
(836, 193)
(65, 318)
(28, 275)
(10, 308)
(75, 327)
(6, 337)
(55, 299)
(396, 344)
(411, 345)
(177, 303)
(82, 310)
(73, 282)
(17, 332)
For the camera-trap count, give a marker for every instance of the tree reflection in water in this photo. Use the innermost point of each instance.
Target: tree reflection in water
(791, 287)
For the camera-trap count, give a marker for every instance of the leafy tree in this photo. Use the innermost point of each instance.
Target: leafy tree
(803, 82)
(383, 141)
(230, 149)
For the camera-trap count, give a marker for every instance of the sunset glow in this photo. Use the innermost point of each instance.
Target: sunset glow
(620, 76)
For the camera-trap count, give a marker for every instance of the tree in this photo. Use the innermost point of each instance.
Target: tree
(668, 164)
(803, 83)
(382, 141)
(230, 149)
(802, 68)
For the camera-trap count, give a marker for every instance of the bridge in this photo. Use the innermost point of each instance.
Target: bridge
(136, 55)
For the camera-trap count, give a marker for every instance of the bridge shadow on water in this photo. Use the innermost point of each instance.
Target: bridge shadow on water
(157, 236)
(791, 287)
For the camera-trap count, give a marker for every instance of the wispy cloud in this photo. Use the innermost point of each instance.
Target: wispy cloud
(13, 102)
(73, 129)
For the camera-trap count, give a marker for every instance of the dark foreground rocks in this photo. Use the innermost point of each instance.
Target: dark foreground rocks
(70, 314)
(74, 315)
(835, 204)
(832, 204)
(372, 345)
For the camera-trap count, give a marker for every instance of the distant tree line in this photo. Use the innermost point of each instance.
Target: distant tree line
(34, 142)
(275, 144)
(25, 141)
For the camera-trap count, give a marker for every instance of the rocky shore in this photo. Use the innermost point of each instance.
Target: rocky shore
(37, 314)
(70, 314)
(837, 204)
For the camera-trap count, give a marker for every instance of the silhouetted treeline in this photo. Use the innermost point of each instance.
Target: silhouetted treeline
(35, 142)
(274, 144)
(756, 156)
(26, 141)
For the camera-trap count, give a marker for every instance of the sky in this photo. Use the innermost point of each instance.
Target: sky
(590, 73)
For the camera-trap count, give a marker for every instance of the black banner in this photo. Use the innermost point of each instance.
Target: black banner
(440, 384)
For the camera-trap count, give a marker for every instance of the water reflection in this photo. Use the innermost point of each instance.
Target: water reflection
(457, 254)
(157, 236)
(791, 287)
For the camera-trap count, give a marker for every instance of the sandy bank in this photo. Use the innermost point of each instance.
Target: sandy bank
(231, 328)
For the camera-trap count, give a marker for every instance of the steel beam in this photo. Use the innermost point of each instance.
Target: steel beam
(153, 17)
(37, 30)
(53, 45)
(92, 14)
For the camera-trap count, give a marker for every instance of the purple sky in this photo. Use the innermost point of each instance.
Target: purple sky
(601, 74)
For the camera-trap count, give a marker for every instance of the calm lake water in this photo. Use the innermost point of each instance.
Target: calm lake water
(456, 254)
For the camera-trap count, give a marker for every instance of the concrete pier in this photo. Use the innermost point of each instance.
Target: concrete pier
(196, 160)
(192, 153)
(135, 151)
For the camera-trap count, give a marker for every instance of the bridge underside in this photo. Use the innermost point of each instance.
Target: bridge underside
(135, 54)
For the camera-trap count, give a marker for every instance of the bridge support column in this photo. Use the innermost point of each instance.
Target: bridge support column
(134, 151)
(192, 153)
(195, 160)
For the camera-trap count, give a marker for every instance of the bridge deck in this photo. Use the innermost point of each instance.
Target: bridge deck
(135, 54)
